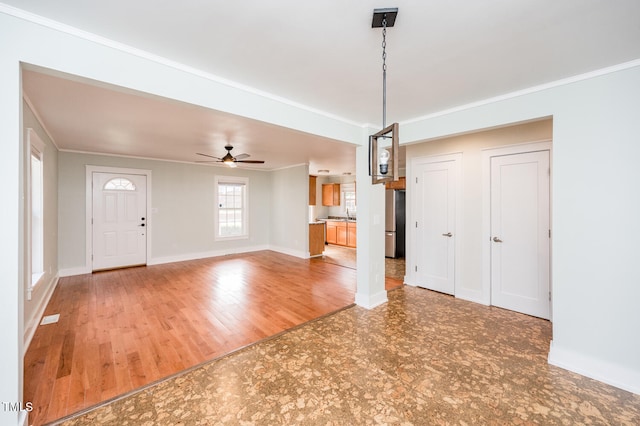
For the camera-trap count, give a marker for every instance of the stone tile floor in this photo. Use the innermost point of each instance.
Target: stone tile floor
(422, 358)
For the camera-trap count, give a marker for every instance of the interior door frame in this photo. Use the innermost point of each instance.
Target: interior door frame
(486, 209)
(411, 276)
(89, 207)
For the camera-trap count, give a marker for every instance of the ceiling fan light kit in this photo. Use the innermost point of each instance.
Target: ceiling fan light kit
(383, 157)
(229, 159)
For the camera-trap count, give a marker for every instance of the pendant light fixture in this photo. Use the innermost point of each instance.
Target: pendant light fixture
(383, 157)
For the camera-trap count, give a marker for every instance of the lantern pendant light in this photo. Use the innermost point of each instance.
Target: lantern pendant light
(383, 160)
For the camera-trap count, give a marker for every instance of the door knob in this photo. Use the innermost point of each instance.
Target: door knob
(497, 240)
(448, 234)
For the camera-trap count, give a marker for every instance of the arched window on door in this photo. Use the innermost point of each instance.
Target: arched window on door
(119, 184)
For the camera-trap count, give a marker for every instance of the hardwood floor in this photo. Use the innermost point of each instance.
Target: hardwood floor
(122, 329)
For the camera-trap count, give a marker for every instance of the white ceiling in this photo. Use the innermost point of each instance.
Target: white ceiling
(325, 55)
(87, 117)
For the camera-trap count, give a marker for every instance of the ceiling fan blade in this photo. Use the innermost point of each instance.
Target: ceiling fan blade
(229, 158)
(207, 155)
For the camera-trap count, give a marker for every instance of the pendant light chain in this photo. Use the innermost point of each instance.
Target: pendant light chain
(384, 72)
(383, 158)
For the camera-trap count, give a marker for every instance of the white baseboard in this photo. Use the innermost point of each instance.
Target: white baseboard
(611, 374)
(193, 256)
(371, 301)
(290, 252)
(474, 296)
(407, 281)
(203, 255)
(32, 324)
(70, 272)
(471, 296)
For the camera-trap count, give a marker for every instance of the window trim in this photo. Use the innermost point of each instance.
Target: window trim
(344, 188)
(245, 208)
(35, 149)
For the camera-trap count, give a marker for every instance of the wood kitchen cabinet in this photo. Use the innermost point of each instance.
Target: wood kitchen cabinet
(341, 238)
(316, 239)
(401, 183)
(330, 194)
(341, 233)
(351, 234)
(312, 190)
(332, 232)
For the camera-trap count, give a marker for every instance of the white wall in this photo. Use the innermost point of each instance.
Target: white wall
(468, 278)
(181, 224)
(596, 206)
(597, 229)
(289, 211)
(11, 226)
(370, 291)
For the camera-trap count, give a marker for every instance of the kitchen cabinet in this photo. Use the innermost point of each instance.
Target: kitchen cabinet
(351, 234)
(342, 233)
(332, 232)
(331, 194)
(401, 183)
(312, 190)
(341, 238)
(316, 239)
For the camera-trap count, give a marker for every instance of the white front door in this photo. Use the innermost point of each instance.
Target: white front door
(119, 220)
(435, 216)
(520, 233)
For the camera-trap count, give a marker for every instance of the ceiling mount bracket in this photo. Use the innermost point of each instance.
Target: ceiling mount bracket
(379, 15)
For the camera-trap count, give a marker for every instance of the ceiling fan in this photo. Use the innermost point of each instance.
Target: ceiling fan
(229, 159)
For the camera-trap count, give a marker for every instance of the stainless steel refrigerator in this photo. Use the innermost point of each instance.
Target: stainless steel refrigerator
(394, 223)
